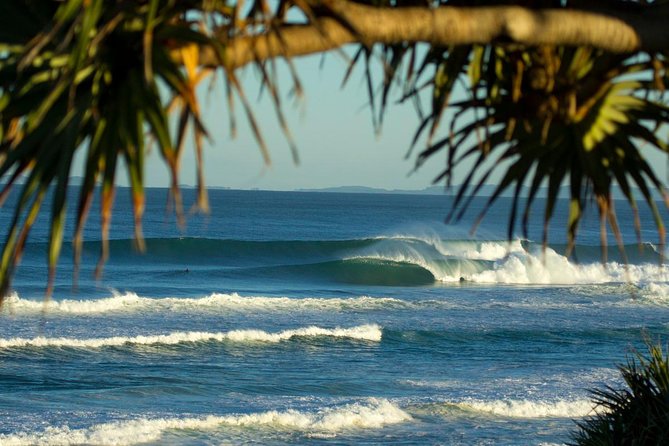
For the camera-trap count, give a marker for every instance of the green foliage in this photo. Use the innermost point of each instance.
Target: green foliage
(637, 415)
(97, 76)
(545, 116)
(541, 117)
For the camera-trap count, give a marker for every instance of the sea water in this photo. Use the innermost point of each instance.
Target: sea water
(323, 318)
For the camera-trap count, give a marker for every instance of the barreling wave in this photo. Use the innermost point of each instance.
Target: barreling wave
(393, 261)
(372, 271)
(200, 249)
(371, 414)
(409, 262)
(363, 333)
(535, 267)
(131, 303)
(577, 408)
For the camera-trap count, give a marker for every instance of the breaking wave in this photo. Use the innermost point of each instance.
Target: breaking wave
(529, 267)
(399, 260)
(372, 414)
(362, 332)
(131, 302)
(552, 268)
(655, 293)
(531, 409)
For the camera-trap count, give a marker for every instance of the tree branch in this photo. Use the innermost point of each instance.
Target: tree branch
(614, 30)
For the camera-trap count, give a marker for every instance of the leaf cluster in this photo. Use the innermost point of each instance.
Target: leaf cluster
(537, 118)
(99, 77)
(637, 414)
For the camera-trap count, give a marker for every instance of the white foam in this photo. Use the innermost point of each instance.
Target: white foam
(118, 302)
(363, 332)
(448, 261)
(655, 293)
(531, 409)
(372, 414)
(131, 302)
(513, 265)
(553, 268)
(441, 384)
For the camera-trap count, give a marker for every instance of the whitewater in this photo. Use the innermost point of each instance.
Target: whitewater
(314, 318)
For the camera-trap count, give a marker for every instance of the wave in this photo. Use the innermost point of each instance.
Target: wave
(578, 408)
(400, 260)
(549, 267)
(362, 332)
(373, 271)
(404, 261)
(536, 267)
(372, 414)
(130, 302)
(194, 251)
(655, 293)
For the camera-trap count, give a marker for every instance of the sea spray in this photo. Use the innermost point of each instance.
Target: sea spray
(478, 250)
(446, 260)
(471, 249)
(371, 414)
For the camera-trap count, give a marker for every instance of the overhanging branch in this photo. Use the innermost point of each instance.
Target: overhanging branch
(618, 31)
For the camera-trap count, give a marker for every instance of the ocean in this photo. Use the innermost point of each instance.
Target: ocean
(323, 318)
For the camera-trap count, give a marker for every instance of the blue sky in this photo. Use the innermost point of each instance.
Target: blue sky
(331, 126)
(333, 131)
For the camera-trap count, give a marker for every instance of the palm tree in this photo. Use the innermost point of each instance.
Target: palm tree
(563, 91)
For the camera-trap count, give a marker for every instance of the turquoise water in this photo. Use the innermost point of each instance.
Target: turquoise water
(319, 318)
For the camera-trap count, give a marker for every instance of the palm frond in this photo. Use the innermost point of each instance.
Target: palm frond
(559, 116)
(635, 414)
(94, 76)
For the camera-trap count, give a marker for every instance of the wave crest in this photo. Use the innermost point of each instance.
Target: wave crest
(531, 409)
(131, 302)
(369, 332)
(372, 414)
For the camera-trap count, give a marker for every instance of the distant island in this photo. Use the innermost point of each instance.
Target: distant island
(484, 191)
(432, 190)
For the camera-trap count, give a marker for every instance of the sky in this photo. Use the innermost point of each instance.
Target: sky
(331, 126)
(333, 131)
